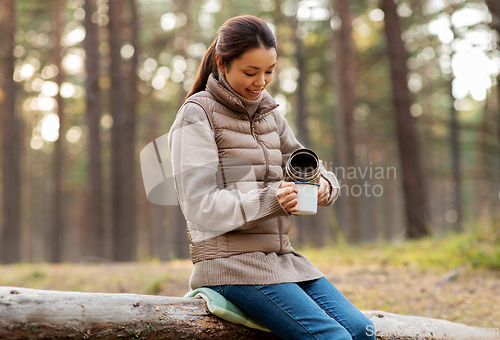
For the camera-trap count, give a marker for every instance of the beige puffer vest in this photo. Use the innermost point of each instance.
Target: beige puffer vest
(249, 157)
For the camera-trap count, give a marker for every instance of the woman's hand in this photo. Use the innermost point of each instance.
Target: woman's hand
(323, 191)
(287, 196)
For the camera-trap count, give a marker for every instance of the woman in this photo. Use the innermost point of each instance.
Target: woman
(229, 146)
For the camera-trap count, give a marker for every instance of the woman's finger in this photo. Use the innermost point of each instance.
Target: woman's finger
(291, 206)
(287, 196)
(323, 191)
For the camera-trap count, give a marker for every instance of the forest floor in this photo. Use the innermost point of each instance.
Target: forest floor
(369, 276)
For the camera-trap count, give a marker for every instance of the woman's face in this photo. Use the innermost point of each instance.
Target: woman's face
(251, 72)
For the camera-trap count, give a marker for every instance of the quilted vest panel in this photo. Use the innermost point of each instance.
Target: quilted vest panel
(250, 157)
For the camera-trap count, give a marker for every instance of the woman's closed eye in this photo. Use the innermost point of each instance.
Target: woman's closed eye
(251, 75)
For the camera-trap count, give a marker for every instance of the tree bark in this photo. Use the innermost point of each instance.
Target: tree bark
(11, 123)
(494, 7)
(128, 154)
(482, 187)
(345, 142)
(37, 314)
(279, 20)
(116, 96)
(456, 168)
(55, 235)
(123, 232)
(301, 114)
(40, 314)
(455, 150)
(184, 36)
(306, 225)
(94, 234)
(405, 125)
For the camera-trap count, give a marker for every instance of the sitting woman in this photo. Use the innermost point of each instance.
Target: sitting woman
(229, 145)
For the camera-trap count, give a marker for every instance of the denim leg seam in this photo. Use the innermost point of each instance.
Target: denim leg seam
(345, 326)
(353, 331)
(286, 312)
(334, 318)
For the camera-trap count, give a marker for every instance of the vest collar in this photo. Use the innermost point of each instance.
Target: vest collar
(226, 98)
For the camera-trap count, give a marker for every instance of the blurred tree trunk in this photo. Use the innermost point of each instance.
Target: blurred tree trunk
(436, 193)
(11, 124)
(129, 164)
(391, 201)
(163, 241)
(94, 235)
(481, 188)
(134, 62)
(123, 232)
(405, 124)
(181, 41)
(496, 219)
(494, 7)
(345, 141)
(455, 149)
(55, 234)
(117, 112)
(340, 205)
(278, 20)
(301, 114)
(455, 162)
(304, 223)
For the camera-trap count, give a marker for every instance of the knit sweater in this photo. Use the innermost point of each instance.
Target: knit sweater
(250, 105)
(196, 148)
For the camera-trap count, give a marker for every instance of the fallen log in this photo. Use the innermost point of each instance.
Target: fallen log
(41, 314)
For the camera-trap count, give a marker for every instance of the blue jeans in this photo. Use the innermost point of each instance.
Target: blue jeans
(304, 310)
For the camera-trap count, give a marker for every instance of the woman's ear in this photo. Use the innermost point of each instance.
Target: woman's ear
(220, 64)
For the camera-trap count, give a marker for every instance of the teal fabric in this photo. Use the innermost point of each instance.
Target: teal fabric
(223, 308)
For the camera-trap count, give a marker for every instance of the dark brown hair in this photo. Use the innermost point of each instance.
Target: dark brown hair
(235, 37)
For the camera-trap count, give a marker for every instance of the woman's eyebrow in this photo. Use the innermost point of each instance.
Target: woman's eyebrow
(257, 68)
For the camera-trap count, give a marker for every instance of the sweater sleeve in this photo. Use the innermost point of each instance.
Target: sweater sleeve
(289, 144)
(197, 178)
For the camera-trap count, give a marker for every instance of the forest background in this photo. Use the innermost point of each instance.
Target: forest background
(399, 98)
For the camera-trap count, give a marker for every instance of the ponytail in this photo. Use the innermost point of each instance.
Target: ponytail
(208, 65)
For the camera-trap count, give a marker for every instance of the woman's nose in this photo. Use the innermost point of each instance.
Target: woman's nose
(260, 81)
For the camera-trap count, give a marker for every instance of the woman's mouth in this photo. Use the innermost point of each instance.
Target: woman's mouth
(254, 93)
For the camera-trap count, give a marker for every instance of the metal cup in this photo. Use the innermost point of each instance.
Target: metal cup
(302, 166)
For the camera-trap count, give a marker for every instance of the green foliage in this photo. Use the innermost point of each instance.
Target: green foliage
(36, 274)
(478, 250)
(155, 286)
(482, 250)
